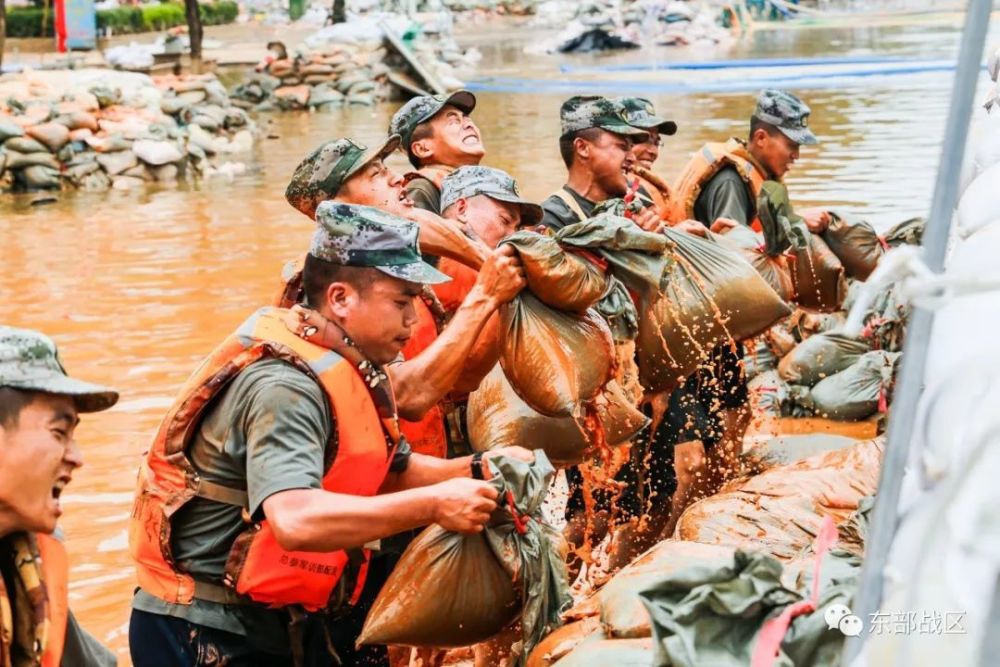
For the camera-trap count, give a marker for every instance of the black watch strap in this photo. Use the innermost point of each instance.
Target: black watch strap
(477, 465)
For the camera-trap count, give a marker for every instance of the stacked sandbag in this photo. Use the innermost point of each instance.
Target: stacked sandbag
(693, 294)
(856, 244)
(451, 590)
(818, 276)
(326, 78)
(497, 417)
(94, 129)
(780, 510)
(821, 356)
(772, 268)
(859, 391)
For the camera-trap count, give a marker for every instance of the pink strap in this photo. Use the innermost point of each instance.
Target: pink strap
(773, 632)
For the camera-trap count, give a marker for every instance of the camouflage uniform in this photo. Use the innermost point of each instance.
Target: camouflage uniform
(466, 182)
(640, 113)
(320, 176)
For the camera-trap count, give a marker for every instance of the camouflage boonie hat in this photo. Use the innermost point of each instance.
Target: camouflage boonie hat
(421, 109)
(355, 235)
(321, 174)
(787, 113)
(29, 361)
(640, 113)
(467, 182)
(584, 112)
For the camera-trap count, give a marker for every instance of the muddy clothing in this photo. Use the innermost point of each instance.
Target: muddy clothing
(725, 196)
(556, 214)
(424, 194)
(267, 433)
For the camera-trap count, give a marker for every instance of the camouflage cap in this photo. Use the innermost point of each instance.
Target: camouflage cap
(640, 113)
(29, 361)
(355, 235)
(321, 174)
(467, 182)
(421, 109)
(584, 112)
(787, 113)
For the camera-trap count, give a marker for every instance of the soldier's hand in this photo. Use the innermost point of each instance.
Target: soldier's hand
(691, 227)
(519, 453)
(502, 276)
(816, 219)
(722, 225)
(648, 219)
(463, 505)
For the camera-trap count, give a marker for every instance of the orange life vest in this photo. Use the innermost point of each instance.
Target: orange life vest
(258, 568)
(426, 436)
(704, 165)
(34, 608)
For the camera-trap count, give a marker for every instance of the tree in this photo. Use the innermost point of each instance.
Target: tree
(339, 13)
(194, 33)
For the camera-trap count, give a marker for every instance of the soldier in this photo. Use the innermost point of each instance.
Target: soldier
(640, 113)
(438, 136)
(596, 146)
(39, 412)
(281, 460)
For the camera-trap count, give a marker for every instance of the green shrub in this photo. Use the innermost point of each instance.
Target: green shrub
(27, 21)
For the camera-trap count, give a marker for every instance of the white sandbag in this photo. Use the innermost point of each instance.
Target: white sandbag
(980, 203)
(983, 149)
(157, 153)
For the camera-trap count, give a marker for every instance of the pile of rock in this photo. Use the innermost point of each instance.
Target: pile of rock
(326, 78)
(99, 129)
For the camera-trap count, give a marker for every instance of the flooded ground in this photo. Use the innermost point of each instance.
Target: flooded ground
(137, 287)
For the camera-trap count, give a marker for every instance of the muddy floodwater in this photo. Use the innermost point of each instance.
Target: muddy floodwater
(136, 287)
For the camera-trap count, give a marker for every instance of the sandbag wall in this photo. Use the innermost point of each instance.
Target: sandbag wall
(95, 130)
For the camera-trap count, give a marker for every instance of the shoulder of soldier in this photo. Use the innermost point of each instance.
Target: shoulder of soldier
(556, 214)
(424, 193)
(273, 385)
(728, 175)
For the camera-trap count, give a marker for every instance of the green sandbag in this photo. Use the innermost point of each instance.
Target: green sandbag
(25, 145)
(8, 130)
(818, 276)
(805, 324)
(619, 311)
(556, 361)
(558, 278)
(773, 269)
(38, 177)
(782, 227)
(694, 294)
(497, 417)
(759, 359)
(17, 160)
(605, 652)
(451, 590)
(623, 615)
(821, 356)
(768, 394)
(854, 393)
(910, 232)
(856, 244)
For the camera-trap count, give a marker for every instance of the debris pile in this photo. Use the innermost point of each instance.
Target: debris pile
(98, 129)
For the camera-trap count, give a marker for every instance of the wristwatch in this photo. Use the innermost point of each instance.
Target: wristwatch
(477, 465)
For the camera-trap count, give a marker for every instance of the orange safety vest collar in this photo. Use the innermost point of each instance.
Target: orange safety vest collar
(258, 569)
(704, 165)
(34, 609)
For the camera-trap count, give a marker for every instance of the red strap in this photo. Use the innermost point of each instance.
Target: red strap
(773, 632)
(883, 400)
(630, 196)
(883, 242)
(520, 520)
(591, 257)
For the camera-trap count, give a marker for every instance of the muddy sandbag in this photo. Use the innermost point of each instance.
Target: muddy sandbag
(497, 417)
(618, 310)
(910, 232)
(821, 356)
(768, 394)
(759, 358)
(818, 275)
(856, 245)
(38, 177)
(96, 181)
(296, 97)
(78, 120)
(556, 361)
(694, 294)
(450, 590)
(785, 449)
(53, 135)
(858, 391)
(617, 652)
(623, 615)
(17, 160)
(783, 229)
(554, 647)
(25, 145)
(772, 268)
(804, 324)
(9, 130)
(558, 278)
(76, 173)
